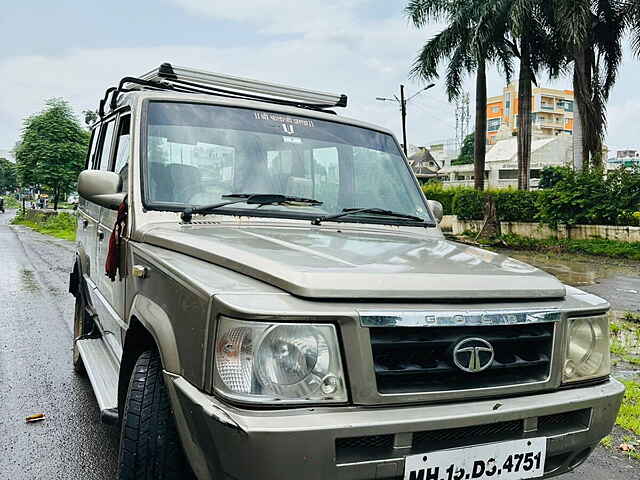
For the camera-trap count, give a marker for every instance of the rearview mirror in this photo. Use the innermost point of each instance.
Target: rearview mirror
(101, 188)
(436, 209)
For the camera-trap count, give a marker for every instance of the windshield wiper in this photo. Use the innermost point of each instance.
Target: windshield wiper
(375, 211)
(260, 199)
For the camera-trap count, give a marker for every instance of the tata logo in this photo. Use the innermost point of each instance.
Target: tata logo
(473, 355)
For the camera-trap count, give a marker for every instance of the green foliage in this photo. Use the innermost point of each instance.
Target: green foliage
(62, 225)
(511, 205)
(435, 191)
(10, 202)
(551, 176)
(468, 204)
(52, 149)
(516, 205)
(595, 246)
(591, 198)
(466, 152)
(8, 179)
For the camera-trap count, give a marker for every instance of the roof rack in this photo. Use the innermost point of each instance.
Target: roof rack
(187, 80)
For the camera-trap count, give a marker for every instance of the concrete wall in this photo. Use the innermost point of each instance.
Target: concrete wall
(450, 223)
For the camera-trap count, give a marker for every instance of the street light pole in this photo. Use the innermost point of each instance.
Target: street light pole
(403, 110)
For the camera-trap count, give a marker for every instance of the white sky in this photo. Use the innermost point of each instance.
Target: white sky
(75, 49)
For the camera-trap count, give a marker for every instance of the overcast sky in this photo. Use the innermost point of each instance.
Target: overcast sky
(75, 49)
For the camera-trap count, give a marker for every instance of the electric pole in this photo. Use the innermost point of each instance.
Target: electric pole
(403, 110)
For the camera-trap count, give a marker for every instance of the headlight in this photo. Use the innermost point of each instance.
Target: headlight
(278, 363)
(587, 349)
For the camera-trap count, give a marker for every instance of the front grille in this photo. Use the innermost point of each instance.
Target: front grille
(458, 437)
(420, 359)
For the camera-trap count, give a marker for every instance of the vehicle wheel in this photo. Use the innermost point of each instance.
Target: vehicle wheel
(149, 445)
(81, 325)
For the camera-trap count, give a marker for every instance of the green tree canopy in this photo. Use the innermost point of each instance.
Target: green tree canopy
(7, 175)
(52, 149)
(466, 152)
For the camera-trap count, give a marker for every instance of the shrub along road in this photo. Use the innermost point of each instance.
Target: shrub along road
(37, 375)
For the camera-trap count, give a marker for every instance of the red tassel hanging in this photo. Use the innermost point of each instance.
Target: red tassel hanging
(113, 264)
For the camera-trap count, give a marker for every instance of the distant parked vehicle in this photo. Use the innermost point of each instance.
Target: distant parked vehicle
(1, 204)
(73, 199)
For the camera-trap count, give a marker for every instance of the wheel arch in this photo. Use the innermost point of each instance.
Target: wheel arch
(149, 328)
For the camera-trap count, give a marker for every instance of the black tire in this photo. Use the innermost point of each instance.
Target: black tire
(149, 445)
(81, 324)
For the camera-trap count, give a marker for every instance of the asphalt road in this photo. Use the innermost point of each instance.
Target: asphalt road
(36, 374)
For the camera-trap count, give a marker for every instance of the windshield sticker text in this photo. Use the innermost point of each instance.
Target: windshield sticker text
(284, 119)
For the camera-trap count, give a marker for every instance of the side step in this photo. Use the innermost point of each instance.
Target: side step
(103, 374)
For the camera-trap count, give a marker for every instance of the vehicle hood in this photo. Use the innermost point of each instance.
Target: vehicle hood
(321, 262)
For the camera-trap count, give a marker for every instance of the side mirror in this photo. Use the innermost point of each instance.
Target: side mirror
(436, 209)
(102, 188)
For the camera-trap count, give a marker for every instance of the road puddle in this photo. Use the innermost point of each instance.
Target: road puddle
(578, 270)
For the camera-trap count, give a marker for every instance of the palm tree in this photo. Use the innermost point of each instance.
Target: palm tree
(591, 32)
(471, 39)
(531, 42)
(632, 14)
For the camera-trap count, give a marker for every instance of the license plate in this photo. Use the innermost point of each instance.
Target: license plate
(514, 460)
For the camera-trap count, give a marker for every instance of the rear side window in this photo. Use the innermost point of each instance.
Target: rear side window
(95, 135)
(123, 148)
(105, 151)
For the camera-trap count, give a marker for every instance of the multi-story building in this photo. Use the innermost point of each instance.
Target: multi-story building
(552, 112)
(501, 162)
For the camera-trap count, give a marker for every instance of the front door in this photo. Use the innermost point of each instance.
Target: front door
(108, 297)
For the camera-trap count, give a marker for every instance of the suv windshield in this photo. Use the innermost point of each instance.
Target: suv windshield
(198, 155)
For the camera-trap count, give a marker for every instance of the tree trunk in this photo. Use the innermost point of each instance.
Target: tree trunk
(524, 118)
(578, 150)
(582, 97)
(480, 147)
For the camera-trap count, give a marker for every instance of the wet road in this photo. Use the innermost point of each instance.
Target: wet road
(36, 374)
(616, 280)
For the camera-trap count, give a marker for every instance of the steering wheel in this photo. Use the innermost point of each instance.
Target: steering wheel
(186, 193)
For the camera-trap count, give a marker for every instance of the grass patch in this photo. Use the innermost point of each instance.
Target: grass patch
(607, 441)
(62, 225)
(629, 415)
(594, 246)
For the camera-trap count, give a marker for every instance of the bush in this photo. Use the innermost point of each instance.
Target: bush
(10, 202)
(516, 205)
(435, 191)
(551, 176)
(591, 198)
(468, 204)
(588, 198)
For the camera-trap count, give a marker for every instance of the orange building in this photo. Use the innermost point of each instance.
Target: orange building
(552, 112)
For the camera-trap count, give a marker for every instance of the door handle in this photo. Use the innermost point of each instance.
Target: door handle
(100, 235)
(85, 224)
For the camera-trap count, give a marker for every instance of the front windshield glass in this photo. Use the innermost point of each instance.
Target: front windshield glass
(197, 153)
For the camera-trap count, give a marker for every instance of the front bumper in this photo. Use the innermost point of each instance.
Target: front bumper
(362, 443)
